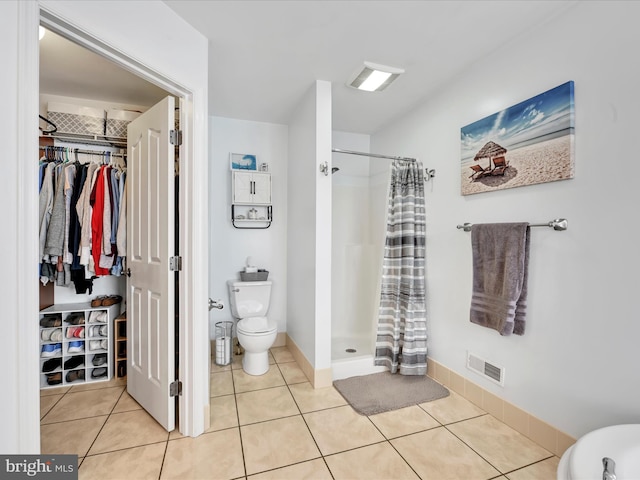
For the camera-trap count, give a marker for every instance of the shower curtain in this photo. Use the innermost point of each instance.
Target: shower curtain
(401, 343)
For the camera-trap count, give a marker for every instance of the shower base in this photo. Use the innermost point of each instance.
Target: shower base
(345, 364)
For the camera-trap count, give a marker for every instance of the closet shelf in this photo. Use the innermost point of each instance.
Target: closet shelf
(101, 140)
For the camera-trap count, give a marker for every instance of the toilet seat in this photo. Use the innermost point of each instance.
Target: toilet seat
(255, 326)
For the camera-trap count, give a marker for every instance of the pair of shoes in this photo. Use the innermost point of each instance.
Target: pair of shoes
(51, 321)
(99, 359)
(54, 378)
(51, 335)
(51, 364)
(122, 369)
(75, 332)
(75, 347)
(98, 331)
(75, 319)
(106, 300)
(74, 375)
(51, 350)
(74, 362)
(98, 344)
(98, 316)
(99, 372)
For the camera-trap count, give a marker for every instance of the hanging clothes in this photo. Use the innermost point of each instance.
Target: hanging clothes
(401, 343)
(80, 211)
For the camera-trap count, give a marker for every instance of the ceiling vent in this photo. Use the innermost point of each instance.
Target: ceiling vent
(488, 370)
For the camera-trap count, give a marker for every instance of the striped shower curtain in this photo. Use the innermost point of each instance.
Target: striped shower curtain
(401, 343)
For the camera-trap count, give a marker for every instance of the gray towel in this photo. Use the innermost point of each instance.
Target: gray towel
(500, 271)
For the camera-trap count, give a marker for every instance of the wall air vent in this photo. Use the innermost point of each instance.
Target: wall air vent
(486, 369)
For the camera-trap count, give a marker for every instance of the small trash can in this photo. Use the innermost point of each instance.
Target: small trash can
(224, 334)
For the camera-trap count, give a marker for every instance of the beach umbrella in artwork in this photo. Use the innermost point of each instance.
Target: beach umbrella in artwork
(490, 150)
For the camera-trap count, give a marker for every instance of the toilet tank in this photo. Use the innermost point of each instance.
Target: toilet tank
(249, 299)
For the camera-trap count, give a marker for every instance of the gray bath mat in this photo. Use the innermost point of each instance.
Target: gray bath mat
(382, 392)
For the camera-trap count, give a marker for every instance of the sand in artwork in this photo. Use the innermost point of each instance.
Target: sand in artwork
(537, 163)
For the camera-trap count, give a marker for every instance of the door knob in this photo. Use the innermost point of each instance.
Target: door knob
(215, 304)
(128, 272)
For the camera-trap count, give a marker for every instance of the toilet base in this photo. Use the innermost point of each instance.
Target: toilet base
(255, 363)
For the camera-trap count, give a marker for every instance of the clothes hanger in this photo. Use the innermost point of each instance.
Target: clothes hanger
(53, 128)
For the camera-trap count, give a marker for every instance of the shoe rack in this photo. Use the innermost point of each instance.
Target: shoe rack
(120, 328)
(76, 344)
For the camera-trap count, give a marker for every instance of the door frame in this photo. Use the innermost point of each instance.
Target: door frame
(193, 280)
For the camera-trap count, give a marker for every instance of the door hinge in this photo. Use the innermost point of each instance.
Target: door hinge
(175, 264)
(175, 137)
(175, 389)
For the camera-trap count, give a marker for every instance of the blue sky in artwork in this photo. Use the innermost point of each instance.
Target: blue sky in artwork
(543, 116)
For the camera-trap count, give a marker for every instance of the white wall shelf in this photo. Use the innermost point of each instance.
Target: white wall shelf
(251, 200)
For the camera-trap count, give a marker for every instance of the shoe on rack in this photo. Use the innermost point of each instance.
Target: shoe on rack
(75, 319)
(45, 335)
(103, 331)
(97, 302)
(51, 350)
(51, 321)
(99, 359)
(51, 364)
(104, 344)
(75, 347)
(74, 375)
(111, 300)
(122, 369)
(79, 332)
(94, 345)
(74, 362)
(70, 332)
(98, 316)
(99, 372)
(54, 378)
(56, 335)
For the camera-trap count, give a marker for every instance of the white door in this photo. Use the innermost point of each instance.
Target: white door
(150, 243)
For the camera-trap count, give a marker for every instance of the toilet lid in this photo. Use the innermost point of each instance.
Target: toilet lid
(255, 325)
(619, 442)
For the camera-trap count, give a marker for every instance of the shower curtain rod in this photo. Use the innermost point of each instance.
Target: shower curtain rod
(376, 155)
(429, 173)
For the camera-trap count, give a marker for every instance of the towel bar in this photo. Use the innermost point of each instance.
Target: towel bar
(558, 224)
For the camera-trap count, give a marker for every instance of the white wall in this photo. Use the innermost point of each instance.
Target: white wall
(309, 227)
(576, 367)
(229, 246)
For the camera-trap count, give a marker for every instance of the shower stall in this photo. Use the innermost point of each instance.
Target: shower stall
(359, 203)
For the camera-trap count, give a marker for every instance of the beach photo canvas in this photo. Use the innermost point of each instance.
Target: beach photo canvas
(243, 161)
(529, 143)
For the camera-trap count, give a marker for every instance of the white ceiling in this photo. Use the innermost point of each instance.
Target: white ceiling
(264, 55)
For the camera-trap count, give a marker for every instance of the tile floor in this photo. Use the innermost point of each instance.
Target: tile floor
(277, 426)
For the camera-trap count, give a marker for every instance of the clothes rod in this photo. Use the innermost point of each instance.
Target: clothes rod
(558, 224)
(376, 155)
(82, 152)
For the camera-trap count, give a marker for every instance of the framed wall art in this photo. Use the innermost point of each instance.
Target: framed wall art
(529, 143)
(243, 161)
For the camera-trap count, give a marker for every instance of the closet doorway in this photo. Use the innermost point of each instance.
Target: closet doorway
(69, 72)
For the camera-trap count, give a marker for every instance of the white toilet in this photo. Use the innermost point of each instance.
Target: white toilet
(584, 459)
(256, 333)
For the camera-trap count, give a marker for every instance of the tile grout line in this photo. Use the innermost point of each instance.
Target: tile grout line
(306, 424)
(235, 400)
